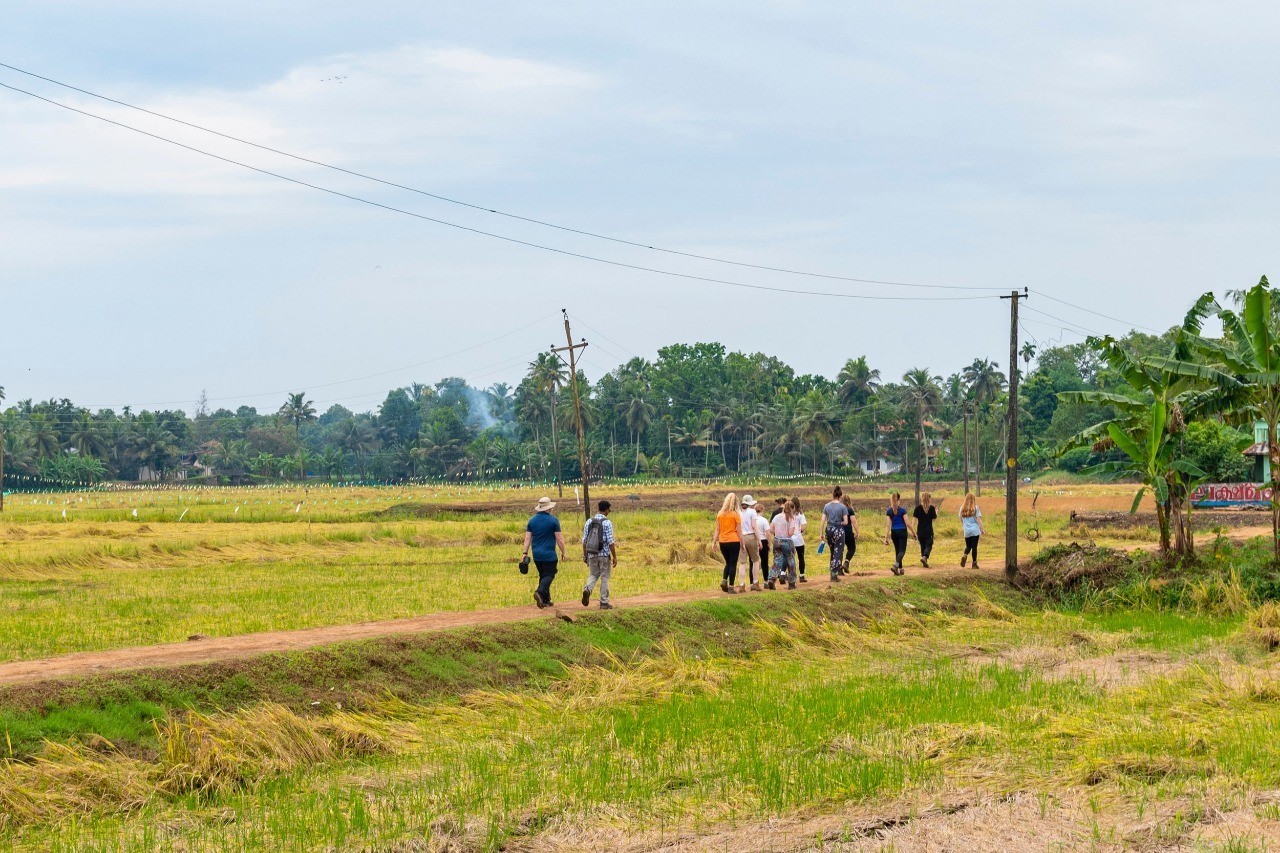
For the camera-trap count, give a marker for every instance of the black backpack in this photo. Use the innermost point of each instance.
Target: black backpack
(594, 541)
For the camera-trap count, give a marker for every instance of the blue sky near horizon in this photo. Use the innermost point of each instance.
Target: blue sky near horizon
(1118, 156)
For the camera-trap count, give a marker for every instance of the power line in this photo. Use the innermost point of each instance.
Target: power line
(311, 386)
(482, 232)
(486, 208)
(1098, 313)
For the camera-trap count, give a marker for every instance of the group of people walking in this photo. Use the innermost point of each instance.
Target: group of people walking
(746, 539)
(759, 552)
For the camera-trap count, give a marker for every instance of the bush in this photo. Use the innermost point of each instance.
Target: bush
(1216, 449)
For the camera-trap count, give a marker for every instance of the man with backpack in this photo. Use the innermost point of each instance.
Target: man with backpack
(600, 553)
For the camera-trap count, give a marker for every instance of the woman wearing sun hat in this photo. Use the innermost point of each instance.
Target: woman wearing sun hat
(542, 535)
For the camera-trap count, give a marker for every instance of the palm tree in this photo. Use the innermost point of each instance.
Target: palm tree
(924, 396)
(84, 436)
(857, 381)
(985, 383)
(637, 413)
(332, 461)
(547, 374)
(814, 422)
(44, 438)
(297, 409)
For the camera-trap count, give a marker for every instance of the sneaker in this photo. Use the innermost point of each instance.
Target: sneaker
(791, 586)
(724, 586)
(733, 590)
(803, 579)
(845, 567)
(963, 560)
(604, 605)
(975, 565)
(586, 597)
(835, 578)
(742, 587)
(756, 587)
(924, 561)
(537, 599)
(769, 585)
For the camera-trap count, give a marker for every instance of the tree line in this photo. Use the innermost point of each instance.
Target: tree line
(694, 410)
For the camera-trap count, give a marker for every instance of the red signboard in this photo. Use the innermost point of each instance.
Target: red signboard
(1232, 493)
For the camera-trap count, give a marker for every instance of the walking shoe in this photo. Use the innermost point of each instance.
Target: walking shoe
(845, 567)
(975, 565)
(756, 587)
(791, 586)
(803, 579)
(537, 599)
(605, 606)
(733, 590)
(742, 587)
(835, 577)
(769, 585)
(586, 597)
(924, 561)
(724, 586)
(964, 560)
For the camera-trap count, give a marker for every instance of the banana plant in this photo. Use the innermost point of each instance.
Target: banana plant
(1151, 415)
(1250, 350)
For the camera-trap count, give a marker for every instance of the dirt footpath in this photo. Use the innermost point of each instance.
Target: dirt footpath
(211, 649)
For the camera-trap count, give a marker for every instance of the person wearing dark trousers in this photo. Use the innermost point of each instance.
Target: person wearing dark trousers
(850, 534)
(542, 535)
(835, 518)
(971, 526)
(896, 530)
(925, 514)
(728, 537)
(798, 539)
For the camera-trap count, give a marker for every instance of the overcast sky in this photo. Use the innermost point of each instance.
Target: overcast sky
(1119, 156)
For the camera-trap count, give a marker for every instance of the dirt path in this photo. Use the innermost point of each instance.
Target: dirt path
(210, 649)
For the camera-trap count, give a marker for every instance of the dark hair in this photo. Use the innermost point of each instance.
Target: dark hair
(795, 502)
(837, 492)
(604, 506)
(779, 501)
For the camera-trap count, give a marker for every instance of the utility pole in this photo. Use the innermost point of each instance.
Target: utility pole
(1011, 454)
(572, 349)
(1, 470)
(964, 407)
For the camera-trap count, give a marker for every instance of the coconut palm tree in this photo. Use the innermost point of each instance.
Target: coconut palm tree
(815, 422)
(44, 438)
(857, 382)
(297, 409)
(924, 396)
(84, 436)
(637, 414)
(985, 383)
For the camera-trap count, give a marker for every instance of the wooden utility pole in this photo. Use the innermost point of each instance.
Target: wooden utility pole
(964, 407)
(572, 349)
(1, 470)
(1011, 452)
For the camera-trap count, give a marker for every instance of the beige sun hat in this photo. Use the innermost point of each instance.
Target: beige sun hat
(544, 504)
(747, 500)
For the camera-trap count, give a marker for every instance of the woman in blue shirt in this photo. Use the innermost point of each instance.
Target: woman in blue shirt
(897, 529)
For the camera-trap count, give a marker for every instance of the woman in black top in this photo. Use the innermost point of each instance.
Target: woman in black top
(925, 514)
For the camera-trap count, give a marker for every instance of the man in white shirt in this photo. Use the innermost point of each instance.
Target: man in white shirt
(750, 538)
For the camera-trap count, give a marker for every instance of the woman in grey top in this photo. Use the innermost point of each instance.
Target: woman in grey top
(835, 516)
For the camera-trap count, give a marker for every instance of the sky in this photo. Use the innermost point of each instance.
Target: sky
(1117, 156)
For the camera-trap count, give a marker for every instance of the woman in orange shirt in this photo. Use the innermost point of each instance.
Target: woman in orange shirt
(728, 537)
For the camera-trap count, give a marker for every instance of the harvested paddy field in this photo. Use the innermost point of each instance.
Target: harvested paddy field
(1096, 704)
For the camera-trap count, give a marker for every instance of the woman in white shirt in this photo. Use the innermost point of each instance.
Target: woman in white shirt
(803, 524)
(762, 533)
(782, 531)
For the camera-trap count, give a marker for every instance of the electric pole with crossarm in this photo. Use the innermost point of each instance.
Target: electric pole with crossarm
(572, 348)
(1011, 452)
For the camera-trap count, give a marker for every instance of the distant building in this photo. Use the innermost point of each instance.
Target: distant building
(1261, 457)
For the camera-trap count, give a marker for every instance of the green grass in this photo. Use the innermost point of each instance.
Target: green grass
(720, 722)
